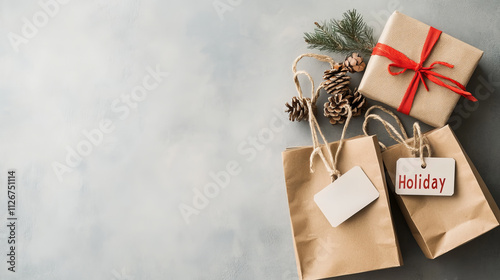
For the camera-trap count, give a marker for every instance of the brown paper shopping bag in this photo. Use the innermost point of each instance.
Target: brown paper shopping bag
(441, 223)
(367, 240)
(364, 242)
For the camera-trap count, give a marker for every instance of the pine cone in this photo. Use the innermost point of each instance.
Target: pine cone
(354, 63)
(357, 103)
(335, 108)
(336, 80)
(298, 111)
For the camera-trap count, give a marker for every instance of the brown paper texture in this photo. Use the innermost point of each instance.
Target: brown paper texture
(408, 35)
(438, 223)
(366, 241)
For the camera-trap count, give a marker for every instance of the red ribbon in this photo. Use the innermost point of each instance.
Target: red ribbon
(402, 61)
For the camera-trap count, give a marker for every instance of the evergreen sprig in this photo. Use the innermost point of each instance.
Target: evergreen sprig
(351, 34)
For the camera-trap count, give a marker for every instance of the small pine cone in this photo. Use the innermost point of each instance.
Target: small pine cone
(298, 110)
(354, 63)
(335, 108)
(338, 67)
(357, 103)
(336, 80)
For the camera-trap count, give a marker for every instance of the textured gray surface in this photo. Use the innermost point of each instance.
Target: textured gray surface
(116, 214)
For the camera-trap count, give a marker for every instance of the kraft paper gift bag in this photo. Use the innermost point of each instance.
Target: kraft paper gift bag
(365, 241)
(411, 46)
(442, 223)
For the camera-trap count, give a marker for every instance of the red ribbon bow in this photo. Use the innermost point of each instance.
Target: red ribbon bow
(402, 61)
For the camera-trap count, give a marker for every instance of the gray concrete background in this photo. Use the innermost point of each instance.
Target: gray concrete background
(115, 213)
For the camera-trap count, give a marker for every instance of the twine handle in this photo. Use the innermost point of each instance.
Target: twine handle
(330, 162)
(320, 57)
(420, 143)
(341, 143)
(314, 94)
(388, 127)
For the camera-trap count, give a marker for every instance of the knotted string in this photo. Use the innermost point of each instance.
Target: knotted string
(330, 162)
(420, 142)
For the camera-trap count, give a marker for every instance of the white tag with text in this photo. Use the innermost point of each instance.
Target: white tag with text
(436, 178)
(346, 196)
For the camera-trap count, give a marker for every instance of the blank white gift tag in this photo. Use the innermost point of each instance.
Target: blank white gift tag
(437, 178)
(346, 196)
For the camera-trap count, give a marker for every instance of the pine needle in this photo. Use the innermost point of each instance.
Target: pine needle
(351, 34)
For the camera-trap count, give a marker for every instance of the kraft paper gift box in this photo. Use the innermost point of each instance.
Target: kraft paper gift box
(442, 223)
(408, 36)
(366, 241)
